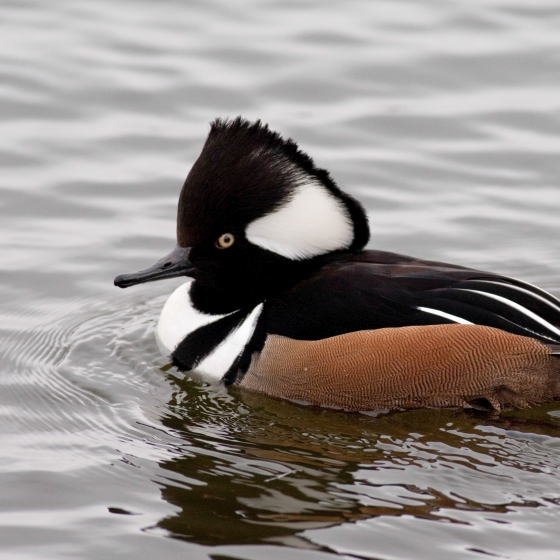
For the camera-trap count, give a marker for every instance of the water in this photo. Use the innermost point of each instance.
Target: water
(442, 117)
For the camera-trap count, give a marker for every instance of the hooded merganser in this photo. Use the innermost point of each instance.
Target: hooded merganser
(283, 298)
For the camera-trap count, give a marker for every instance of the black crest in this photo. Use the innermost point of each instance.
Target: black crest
(244, 172)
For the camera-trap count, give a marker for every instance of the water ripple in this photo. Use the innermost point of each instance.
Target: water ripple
(441, 117)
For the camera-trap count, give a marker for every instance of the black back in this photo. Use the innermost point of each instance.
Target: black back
(376, 289)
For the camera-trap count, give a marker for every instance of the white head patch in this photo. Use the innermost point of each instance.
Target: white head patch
(313, 222)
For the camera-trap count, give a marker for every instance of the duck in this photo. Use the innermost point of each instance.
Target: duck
(282, 297)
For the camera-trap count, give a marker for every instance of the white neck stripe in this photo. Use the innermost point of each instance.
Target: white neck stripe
(179, 318)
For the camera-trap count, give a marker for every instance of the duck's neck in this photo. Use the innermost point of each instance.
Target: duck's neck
(246, 292)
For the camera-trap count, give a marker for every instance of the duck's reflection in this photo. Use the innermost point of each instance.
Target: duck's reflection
(260, 469)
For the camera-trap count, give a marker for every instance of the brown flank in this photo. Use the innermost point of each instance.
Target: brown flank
(408, 367)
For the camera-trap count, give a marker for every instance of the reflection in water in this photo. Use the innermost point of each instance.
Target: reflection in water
(442, 117)
(254, 468)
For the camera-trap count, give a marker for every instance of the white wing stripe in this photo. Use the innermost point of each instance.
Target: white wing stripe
(517, 307)
(445, 315)
(537, 289)
(525, 291)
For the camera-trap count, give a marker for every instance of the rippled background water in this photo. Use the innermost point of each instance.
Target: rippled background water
(442, 116)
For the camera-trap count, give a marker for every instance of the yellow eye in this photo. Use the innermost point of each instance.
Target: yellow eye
(225, 241)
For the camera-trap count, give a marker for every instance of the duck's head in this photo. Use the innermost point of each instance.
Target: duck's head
(254, 215)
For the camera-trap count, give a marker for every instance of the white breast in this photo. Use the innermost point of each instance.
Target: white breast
(179, 318)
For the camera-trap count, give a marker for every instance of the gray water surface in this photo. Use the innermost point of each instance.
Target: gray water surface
(443, 117)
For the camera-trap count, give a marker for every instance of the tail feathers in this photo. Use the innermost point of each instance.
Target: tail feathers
(554, 349)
